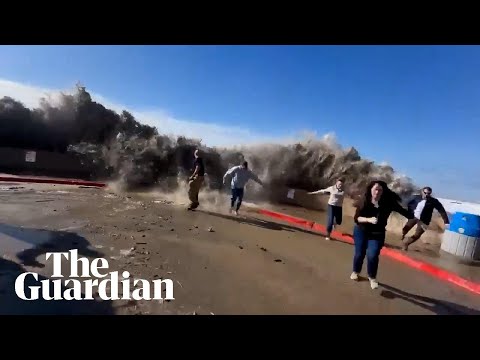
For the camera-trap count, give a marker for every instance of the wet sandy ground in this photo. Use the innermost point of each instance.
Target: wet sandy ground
(424, 249)
(220, 264)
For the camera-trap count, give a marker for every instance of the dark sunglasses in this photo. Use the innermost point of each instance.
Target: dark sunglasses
(427, 193)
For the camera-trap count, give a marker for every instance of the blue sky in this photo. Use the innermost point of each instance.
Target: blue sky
(416, 107)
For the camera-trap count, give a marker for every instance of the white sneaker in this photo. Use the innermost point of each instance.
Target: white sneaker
(327, 238)
(354, 276)
(373, 283)
(236, 212)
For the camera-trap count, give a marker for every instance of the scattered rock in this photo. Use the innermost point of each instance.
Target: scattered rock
(278, 260)
(127, 252)
(263, 249)
(210, 229)
(143, 235)
(241, 247)
(195, 226)
(141, 243)
(172, 229)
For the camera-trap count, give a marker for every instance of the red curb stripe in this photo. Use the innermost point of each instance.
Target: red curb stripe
(52, 181)
(288, 218)
(433, 270)
(430, 269)
(335, 234)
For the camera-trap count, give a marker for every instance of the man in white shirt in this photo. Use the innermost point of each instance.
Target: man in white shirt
(240, 175)
(335, 204)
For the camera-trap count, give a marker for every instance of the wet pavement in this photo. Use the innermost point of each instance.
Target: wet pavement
(219, 263)
(428, 252)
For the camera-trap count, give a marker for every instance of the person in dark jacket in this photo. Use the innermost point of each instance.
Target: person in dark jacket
(371, 216)
(196, 180)
(422, 207)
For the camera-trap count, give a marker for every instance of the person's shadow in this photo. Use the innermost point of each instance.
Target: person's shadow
(47, 241)
(11, 304)
(438, 307)
(43, 241)
(270, 225)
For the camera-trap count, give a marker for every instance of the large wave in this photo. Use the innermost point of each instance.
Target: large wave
(139, 155)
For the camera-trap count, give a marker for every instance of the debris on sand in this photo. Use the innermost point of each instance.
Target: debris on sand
(263, 249)
(278, 260)
(241, 247)
(127, 252)
(141, 243)
(165, 202)
(210, 229)
(11, 187)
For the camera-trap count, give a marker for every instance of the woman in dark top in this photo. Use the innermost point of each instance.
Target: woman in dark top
(371, 219)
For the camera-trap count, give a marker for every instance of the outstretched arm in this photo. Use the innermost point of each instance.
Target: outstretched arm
(402, 211)
(230, 171)
(255, 178)
(321, 191)
(442, 212)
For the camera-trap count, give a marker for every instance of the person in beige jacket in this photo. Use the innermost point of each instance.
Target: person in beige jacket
(335, 204)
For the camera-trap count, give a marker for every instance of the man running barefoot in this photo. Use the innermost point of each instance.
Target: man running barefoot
(240, 175)
(335, 205)
(422, 207)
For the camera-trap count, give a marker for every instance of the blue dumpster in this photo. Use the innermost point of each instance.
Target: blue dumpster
(463, 237)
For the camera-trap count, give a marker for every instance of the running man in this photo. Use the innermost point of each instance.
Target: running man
(335, 205)
(422, 207)
(195, 181)
(240, 175)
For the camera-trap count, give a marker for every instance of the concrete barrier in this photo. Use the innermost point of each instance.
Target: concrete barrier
(45, 163)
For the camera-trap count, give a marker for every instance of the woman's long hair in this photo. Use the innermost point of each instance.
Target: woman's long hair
(388, 198)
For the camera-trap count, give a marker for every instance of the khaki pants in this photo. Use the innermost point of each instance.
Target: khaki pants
(194, 187)
(421, 228)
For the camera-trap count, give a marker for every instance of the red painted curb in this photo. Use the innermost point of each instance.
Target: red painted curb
(52, 181)
(430, 269)
(290, 219)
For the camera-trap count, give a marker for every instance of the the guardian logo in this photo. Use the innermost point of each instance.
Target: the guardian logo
(81, 286)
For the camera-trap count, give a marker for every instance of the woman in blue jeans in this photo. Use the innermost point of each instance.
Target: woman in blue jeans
(371, 218)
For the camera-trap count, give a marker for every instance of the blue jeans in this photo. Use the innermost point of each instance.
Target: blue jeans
(365, 245)
(334, 216)
(237, 194)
